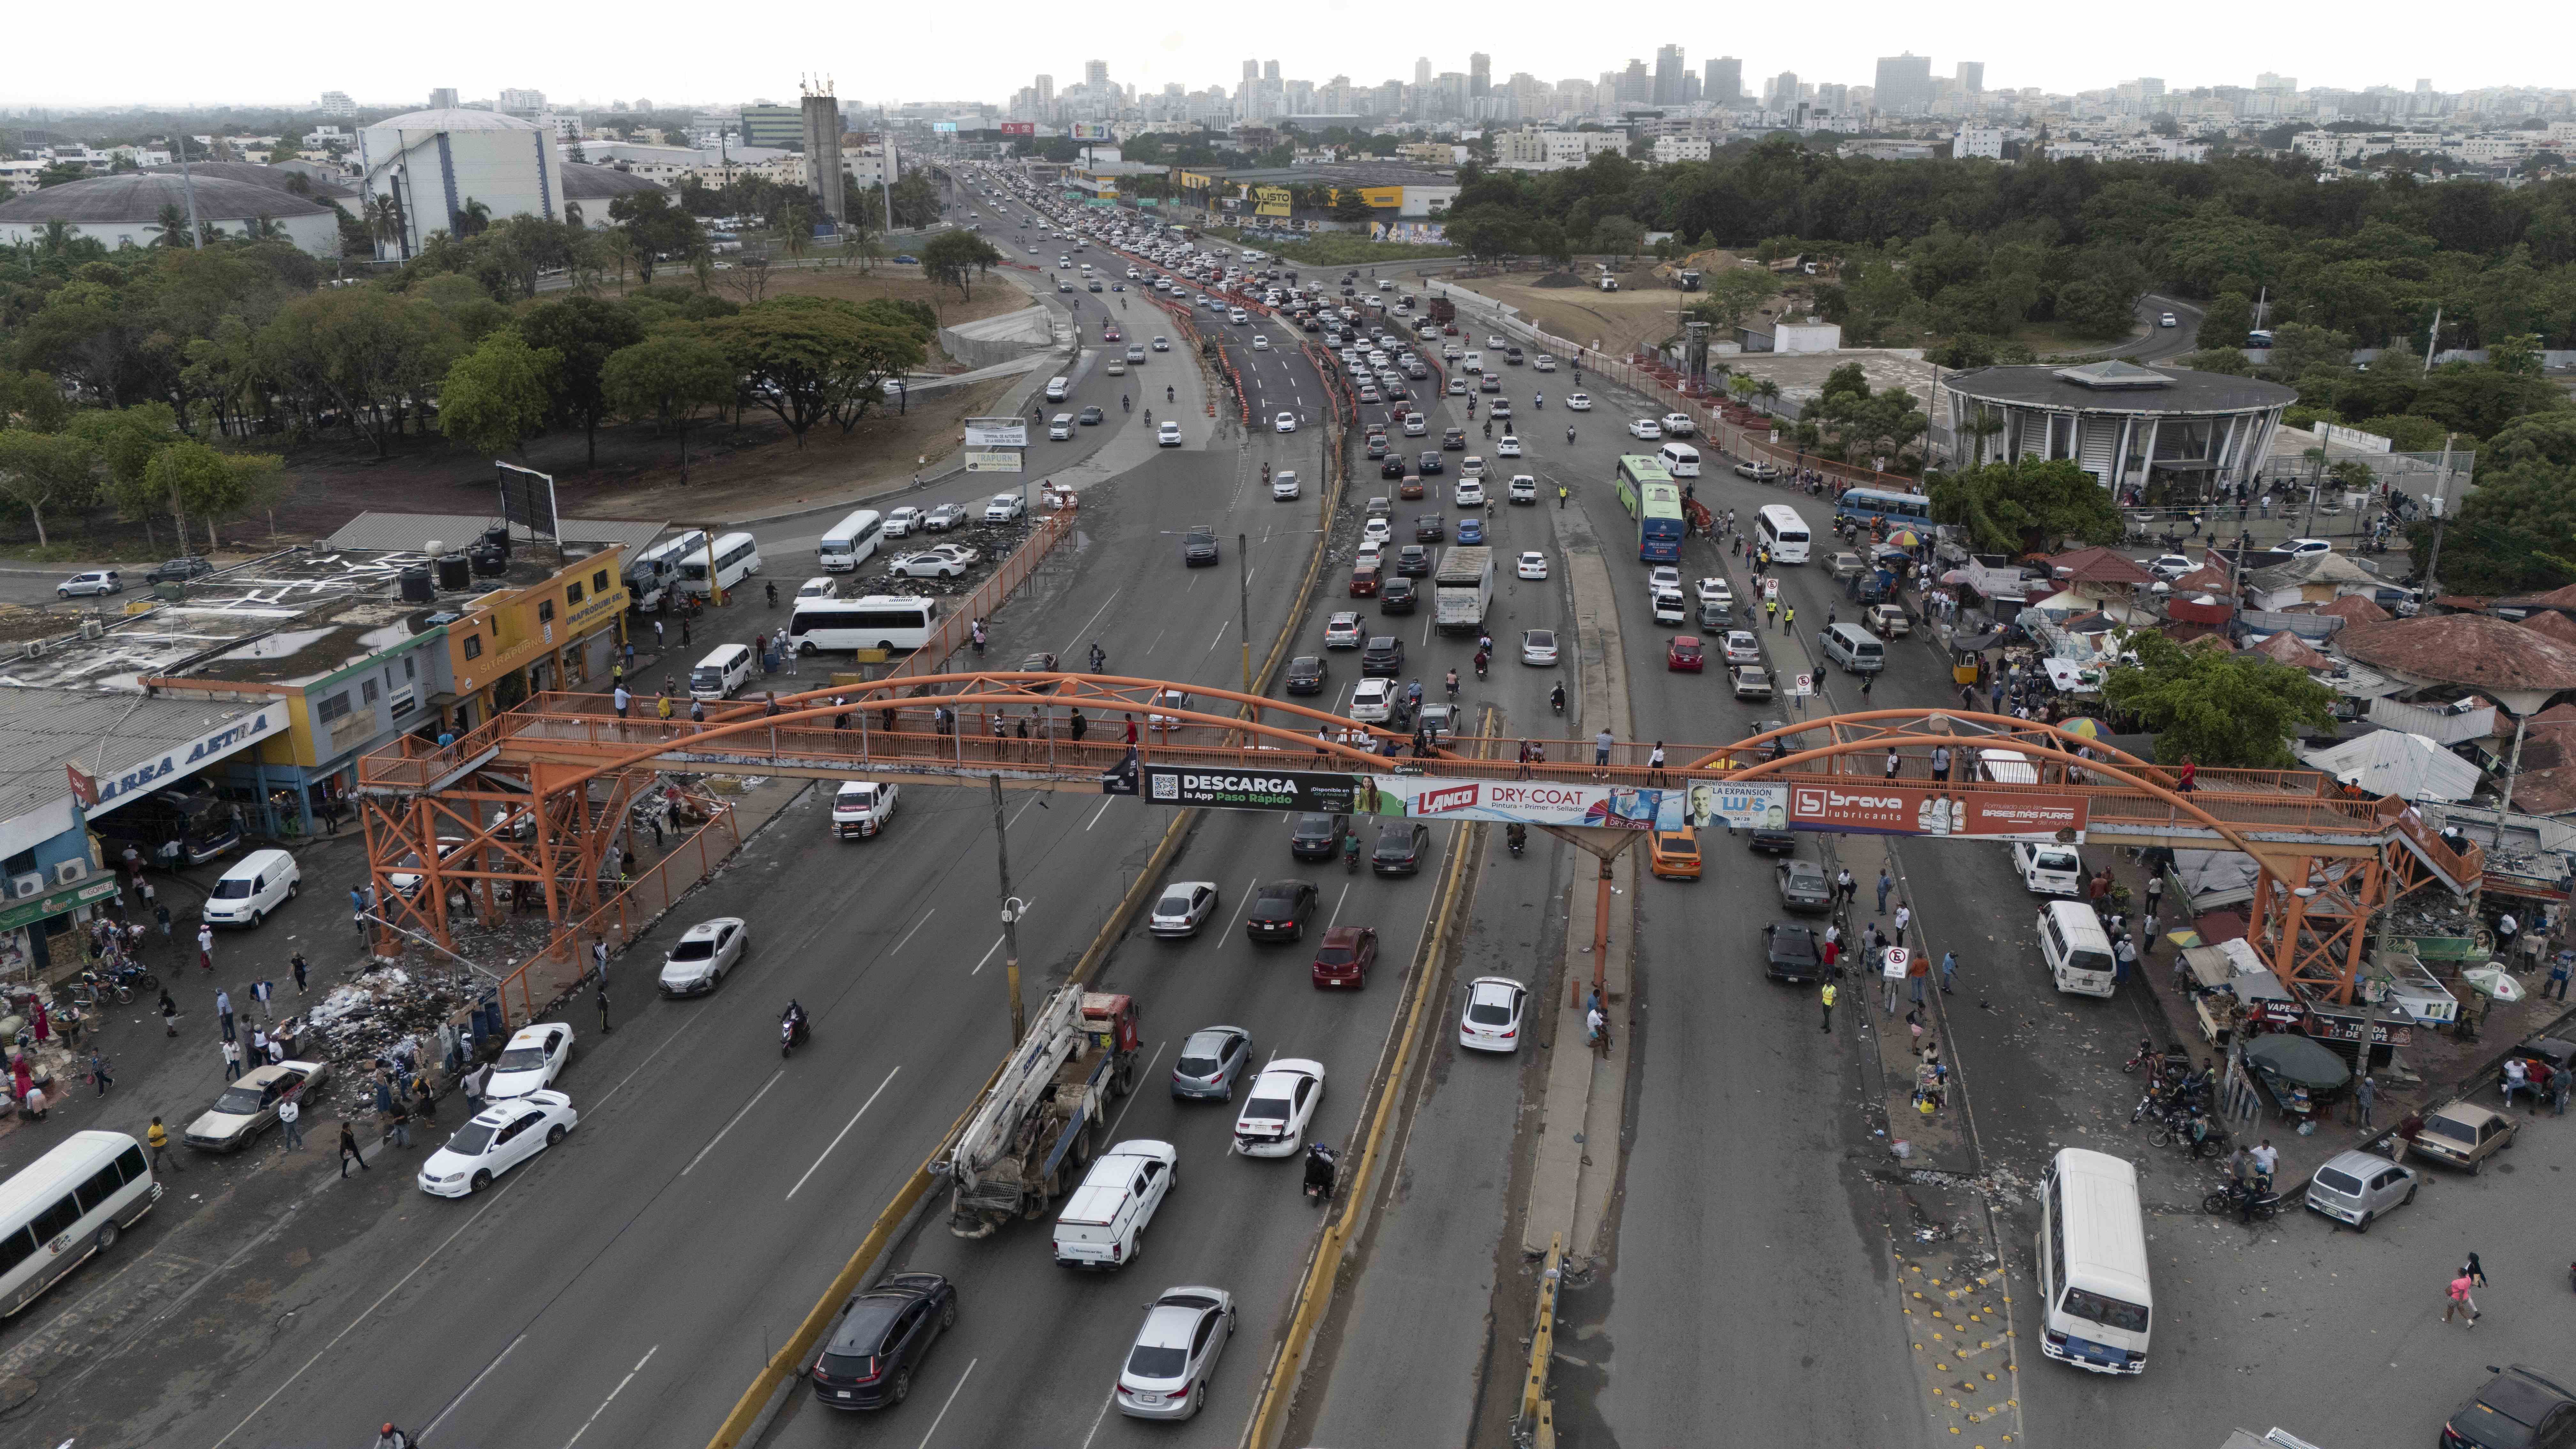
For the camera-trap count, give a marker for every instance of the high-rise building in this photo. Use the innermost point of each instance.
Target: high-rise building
(1252, 70)
(1095, 73)
(821, 114)
(2150, 87)
(1972, 76)
(1480, 74)
(1270, 70)
(337, 103)
(1783, 94)
(1905, 84)
(1668, 76)
(1422, 70)
(442, 98)
(2270, 82)
(1636, 87)
(1046, 90)
(767, 125)
(521, 103)
(1725, 83)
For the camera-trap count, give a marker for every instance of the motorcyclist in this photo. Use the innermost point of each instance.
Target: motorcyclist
(793, 1018)
(1569, 432)
(1097, 659)
(1556, 698)
(1484, 642)
(1320, 1165)
(1124, 405)
(1453, 684)
(1537, 400)
(1167, 394)
(1351, 849)
(1413, 692)
(1482, 657)
(1516, 835)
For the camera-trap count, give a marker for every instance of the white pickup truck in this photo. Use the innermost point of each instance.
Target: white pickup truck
(1105, 1218)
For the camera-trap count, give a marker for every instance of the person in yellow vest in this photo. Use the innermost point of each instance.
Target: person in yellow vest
(1827, 996)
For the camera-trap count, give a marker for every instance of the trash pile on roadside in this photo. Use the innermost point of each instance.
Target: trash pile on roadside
(388, 1013)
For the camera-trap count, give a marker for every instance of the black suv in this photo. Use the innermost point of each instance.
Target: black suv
(1396, 595)
(1400, 848)
(1413, 561)
(2518, 1409)
(1430, 528)
(1318, 837)
(1199, 548)
(1280, 912)
(1306, 674)
(1393, 467)
(178, 570)
(1431, 463)
(1454, 439)
(1383, 658)
(884, 1333)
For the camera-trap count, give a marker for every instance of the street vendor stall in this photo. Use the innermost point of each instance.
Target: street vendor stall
(2300, 1075)
(2232, 991)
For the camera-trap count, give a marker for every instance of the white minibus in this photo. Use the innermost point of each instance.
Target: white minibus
(737, 558)
(1779, 528)
(1679, 459)
(2095, 1307)
(66, 1205)
(851, 542)
(880, 621)
(2074, 947)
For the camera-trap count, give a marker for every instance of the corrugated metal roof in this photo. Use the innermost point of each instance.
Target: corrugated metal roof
(42, 730)
(412, 531)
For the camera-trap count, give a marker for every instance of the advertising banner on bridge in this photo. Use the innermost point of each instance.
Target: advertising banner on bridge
(1892, 809)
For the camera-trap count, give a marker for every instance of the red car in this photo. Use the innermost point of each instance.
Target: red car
(1346, 956)
(1364, 581)
(1110, 334)
(1683, 653)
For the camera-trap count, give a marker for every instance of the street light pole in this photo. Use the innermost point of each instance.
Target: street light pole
(1243, 605)
(1011, 908)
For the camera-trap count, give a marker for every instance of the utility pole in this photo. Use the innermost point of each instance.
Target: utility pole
(2441, 487)
(1243, 605)
(1011, 908)
(196, 236)
(2432, 339)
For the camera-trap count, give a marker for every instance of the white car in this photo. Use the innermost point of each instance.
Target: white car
(1377, 531)
(1260, 343)
(1372, 700)
(861, 808)
(530, 1061)
(1491, 1020)
(1167, 435)
(96, 581)
(2302, 547)
(1117, 367)
(1543, 363)
(1678, 425)
(1169, 1370)
(1646, 428)
(927, 564)
(817, 587)
(1283, 484)
(902, 522)
(1342, 631)
(1533, 565)
(2167, 319)
(405, 882)
(1580, 402)
(1663, 577)
(1003, 507)
(1471, 493)
(1275, 1112)
(1162, 344)
(2171, 566)
(697, 962)
(1171, 699)
(1538, 647)
(1756, 471)
(1507, 446)
(1183, 909)
(1523, 489)
(1671, 607)
(1471, 466)
(496, 1139)
(1285, 422)
(1714, 590)
(1496, 343)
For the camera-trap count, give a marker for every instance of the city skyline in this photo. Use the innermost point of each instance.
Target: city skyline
(900, 59)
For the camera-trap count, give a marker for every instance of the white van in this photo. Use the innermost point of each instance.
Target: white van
(2048, 869)
(1060, 428)
(851, 542)
(1057, 387)
(726, 668)
(737, 557)
(860, 808)
(258, 884)
(1472, 362)
(2096, 1307)
(1854, 648)
(1679, 459)
(1104, 1221)
(2076, 950)
(2007, 767)
(66, 1205)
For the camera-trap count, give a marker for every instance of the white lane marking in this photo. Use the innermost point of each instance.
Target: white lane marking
(369, 1310)
(1220, 635)
(988, 957)
(470, 1388)
(612, 1396)
(951, 1400)
(1096, 814)
(1095, 1423)
(845, 1128)
(639, 1066)
(1239, 905)
(737, 1118)
(1023, 810)
(1131, 1097)
(1337, 906)
(916, 929)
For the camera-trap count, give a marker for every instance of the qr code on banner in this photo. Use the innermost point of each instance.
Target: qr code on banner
(1167, 787)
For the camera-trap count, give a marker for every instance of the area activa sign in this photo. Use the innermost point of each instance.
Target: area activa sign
(1695, 804)
(186, 759)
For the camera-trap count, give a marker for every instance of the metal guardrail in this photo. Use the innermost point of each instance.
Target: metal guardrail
(1537, 1414)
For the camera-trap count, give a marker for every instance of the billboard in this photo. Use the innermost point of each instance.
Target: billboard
(947, 127)
(992, 462)
(1019, 128)
(1089, 131)
(1010, 432)
(1860, 808)
(1270, 200)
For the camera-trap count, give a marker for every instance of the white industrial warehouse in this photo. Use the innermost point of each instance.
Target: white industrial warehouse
(128, 209)
(433, 163)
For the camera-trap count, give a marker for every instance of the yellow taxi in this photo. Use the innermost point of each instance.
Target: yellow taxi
(1674, 854)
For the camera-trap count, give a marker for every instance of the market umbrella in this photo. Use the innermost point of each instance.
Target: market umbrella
(1905, 538)
(2085, 726)
(2298, 1061)
(1955, 576)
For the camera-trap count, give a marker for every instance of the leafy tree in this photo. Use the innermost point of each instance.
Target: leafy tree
(1349, 207)
(211, 484)
(1547, 242)
(2025, 505)
(916, 200)
(2482, 400)
(2545, 439)
(2225, 711)
(1620, 236)
(655, 229)
(2228, 360)
(952, 258)
(809, 358)
(581, 332)
(2226, 320)
(32, 400)
(2406, 432)
(670, 377)
(1730, 295)
(38, 470)
(2300, 349)
(2093, 308)
(498, 395)
(367, 352)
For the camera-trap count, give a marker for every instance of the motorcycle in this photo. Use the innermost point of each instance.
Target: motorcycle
(1351, 855)
(1569, 434)
(1517, 837)
(792, 1032)
(1556, 699)
(1322, 1166)
(2248, 1205)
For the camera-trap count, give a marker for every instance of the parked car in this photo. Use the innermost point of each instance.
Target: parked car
(530, 1061)
(1490, 1021)
(2518, 1409)
(2359, 1188)
(1791, 952)
(178, 571)
(1804, 886)
(96, 581)
(2464, 1135)
(249, 1104)
(494, 1140)
(1752, 681)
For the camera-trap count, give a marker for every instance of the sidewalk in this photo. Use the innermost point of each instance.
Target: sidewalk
(1938, 1140)
(1582, 1128)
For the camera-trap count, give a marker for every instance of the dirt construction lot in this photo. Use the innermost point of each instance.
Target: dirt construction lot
(1643, 312)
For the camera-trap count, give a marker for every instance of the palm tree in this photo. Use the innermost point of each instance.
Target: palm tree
(572, 215)
(385, 219)
(472, 218)
(263, 228)
(58, 236)
(170, 229)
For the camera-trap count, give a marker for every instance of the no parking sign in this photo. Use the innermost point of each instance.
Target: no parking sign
(1897, 960)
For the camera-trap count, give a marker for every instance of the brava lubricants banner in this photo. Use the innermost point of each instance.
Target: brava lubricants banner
(1865, 808)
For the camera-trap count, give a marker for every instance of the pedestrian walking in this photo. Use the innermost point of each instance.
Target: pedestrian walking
(169, 1014)
(2460, 1301)
(349, 1151)
(398, 1124)
(2365, 1097)
(604, 1027)
(300, 971)
(161, 917)
(1844, 886)
(98, 1072)
(260, 991)
(232, 1060)
(290, 1137)
(1825, 994)
(599, 960)
(1655, 766)
(657, 636)
(1904, 917)
(1886, 883)
(157, 1137)
(224, 1012)
(1949, 970)
(205, 948)
(473, 1082)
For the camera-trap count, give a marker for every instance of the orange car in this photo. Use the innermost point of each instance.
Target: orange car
(1674, 854)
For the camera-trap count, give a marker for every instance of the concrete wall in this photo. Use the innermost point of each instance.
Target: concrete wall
(994, 340)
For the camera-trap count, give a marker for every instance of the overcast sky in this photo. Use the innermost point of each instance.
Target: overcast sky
(697, 53)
